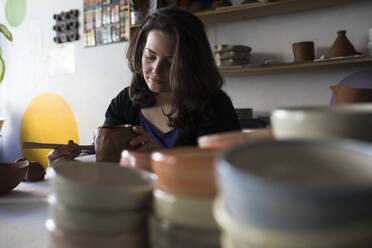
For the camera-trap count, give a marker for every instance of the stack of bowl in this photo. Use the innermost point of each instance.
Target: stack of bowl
(183, 199)
(232, 55)
(99, 205)
(295, 193)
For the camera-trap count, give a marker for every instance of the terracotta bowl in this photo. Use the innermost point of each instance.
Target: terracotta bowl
(238, 234)
(187, 211)
(81, 221)
(102, 186)
(62, 239)
(187, 171)
(111, 140)
(297, 184)
(323, 122)
(228, 139)
(11, 174)
(138, 160)
(35, 172)
(166, 234)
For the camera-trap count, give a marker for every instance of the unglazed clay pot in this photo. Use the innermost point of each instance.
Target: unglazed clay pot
(346, 94)
(138, 160)
(341, 47)
(303, 51)
(111, 140)
(186, 171)
(11, 174)
(229, 139)
(35, 172)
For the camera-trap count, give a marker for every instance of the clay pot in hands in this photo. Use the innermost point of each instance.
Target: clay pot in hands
(110, 141)
(11, 174)
(35, 172)
(341, 47)
(303, 51)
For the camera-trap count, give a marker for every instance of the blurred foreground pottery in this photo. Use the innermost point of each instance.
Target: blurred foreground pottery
(303, 51)
(194, 212)
(228, 139)
(62, 239)
(187, 171)
(238, 234)
(110, 141)
(341, 47)
(102, 186)
(11, 174)
(81, 221)
(298, 185)
(134, 159)
(167, 234)
(346, 121)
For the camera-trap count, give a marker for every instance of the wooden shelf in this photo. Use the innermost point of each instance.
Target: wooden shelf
(254, 10)
(265, 69)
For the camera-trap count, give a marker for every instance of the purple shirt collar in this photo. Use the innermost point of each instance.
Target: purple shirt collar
(166, 140)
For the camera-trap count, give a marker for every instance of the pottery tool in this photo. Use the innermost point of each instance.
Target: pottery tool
(35, 145)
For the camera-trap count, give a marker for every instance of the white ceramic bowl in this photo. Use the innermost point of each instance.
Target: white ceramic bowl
(238, 234)
(187, 211)
(297, 184)
(352, 121)
(82, 221)
(102, 186)
(62, 239)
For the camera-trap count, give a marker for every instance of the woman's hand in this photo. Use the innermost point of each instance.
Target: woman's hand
(143, 140)
(64, 152)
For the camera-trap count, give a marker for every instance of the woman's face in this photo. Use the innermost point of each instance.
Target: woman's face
(157, 59)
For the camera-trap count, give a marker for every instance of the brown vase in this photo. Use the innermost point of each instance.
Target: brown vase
(341, 47)
(110, 141)
(303, 51)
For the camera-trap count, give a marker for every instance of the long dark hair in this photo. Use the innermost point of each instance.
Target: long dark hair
(194, 77)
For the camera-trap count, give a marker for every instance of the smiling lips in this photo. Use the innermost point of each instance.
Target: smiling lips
(156, 80)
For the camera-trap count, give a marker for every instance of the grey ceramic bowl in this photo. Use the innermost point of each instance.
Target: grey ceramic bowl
(352, 121)
(297, 184)
(166, 234)
(102, 186)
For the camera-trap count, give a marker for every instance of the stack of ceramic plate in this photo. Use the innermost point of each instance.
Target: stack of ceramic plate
(232, 55)
(183, 200)
(370, 42)
(99, 205)
(294, 194)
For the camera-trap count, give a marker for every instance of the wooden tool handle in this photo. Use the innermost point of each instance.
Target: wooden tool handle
(35, 145)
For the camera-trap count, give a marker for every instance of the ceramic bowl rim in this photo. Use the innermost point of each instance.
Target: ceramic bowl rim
(228, 172)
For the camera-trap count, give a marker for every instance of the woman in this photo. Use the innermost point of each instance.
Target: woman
(175, 94)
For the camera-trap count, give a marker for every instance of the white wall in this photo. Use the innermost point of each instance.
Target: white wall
(102, 72)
